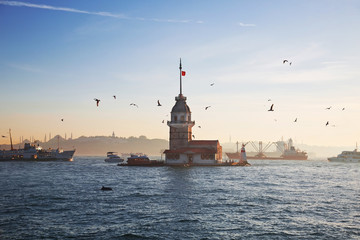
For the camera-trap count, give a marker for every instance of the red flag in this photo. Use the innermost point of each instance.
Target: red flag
(183, 73)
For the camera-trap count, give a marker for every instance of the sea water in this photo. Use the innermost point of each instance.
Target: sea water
(272, 199)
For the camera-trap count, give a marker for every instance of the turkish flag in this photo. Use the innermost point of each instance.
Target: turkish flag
(183, 73)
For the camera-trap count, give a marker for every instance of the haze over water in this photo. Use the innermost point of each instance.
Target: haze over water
(269, 200)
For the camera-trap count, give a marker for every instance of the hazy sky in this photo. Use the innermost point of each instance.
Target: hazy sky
(57, 56)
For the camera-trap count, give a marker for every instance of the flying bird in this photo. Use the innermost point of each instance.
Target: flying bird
(295, 120)
(62, 119)
(163, 121)
(3, 136)
(327, 123)
(114, 96)
(193, 136)
(133, 104)
(285, 61)
(290, 63)
(97, 101)
(159, 103)
(271, 108)
(343, 109)
(212, 84)
(328, 108)
(206, 108)
(269, 100)
(199, 126)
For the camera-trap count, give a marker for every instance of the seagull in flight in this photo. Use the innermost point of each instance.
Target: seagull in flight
(206, 108)
(271, 108)
(163, 121)
(328, 108)
(199, 126)
(62, 119)
(97, 101)
(133, 104)
(343, 109)
(159, 103)
(114, 96)
(285, 61)
(295, 120)
(327, 123)
(193, 136)
(212, 84)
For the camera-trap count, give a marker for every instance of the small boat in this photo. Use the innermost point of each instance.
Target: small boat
(112, 157)
(142, 160)
(347, 156)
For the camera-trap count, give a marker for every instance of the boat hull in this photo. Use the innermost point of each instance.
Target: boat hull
(114, 160)
(335, 159)
(42, 155)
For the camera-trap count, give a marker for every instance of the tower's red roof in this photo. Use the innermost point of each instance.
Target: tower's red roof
(192, 150)
(204, 142)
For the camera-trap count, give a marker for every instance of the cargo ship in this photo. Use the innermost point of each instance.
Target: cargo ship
(287, 151)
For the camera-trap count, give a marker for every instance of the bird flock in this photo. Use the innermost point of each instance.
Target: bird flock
(97, 101)
(271, 109)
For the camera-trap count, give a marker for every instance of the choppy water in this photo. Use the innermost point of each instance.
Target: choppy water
(269, 200)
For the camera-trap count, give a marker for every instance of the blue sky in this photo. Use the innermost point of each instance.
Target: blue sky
(57, 56)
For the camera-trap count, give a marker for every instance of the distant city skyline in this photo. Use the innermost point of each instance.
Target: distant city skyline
(57, 57)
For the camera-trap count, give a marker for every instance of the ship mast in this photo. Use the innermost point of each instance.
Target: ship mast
(12, 148)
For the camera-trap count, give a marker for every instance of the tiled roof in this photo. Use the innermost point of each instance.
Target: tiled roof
(203, 142)
(189, 150)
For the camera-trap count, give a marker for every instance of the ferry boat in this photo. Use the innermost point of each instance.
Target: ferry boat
(347, 156)
(32, 153)
(113, 157)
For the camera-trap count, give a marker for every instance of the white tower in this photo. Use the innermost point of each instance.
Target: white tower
(180, 124)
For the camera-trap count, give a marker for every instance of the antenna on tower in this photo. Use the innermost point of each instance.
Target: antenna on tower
(180, 67)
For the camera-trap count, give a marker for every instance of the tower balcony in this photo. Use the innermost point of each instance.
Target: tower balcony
(181, 124)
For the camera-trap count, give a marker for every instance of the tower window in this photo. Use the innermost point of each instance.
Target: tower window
(182, 118)
(175, 118)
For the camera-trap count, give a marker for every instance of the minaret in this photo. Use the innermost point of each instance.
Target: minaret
(180, 124)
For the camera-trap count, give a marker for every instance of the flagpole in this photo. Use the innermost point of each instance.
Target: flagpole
(180, 78)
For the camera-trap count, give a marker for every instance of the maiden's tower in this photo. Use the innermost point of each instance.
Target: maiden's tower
(183, 150)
